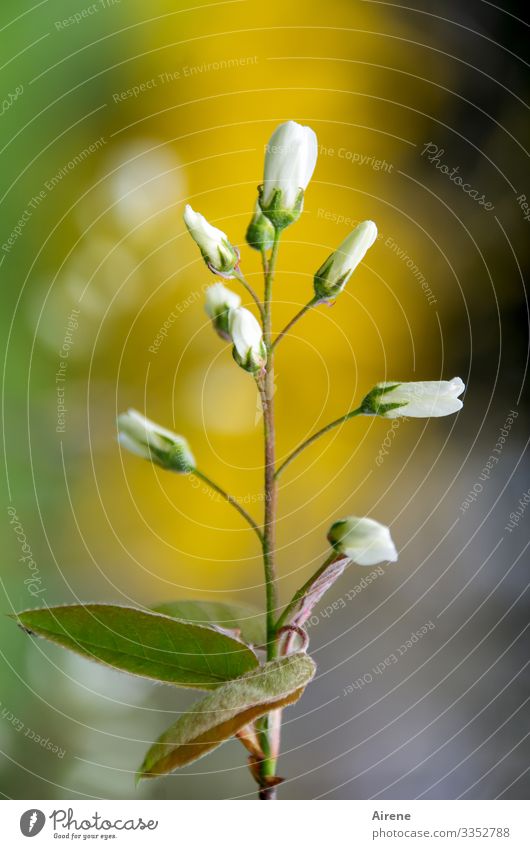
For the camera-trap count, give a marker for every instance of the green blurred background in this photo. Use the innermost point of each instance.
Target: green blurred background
(111, 122)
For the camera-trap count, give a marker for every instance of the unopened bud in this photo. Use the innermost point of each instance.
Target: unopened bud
(335, 272)
(149, 440)
(363, 540)
(219, 302)
(419, 399)
(290, 160)
(219, 255)
(249, 349)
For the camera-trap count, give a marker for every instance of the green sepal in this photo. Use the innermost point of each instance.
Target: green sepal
(372, 406)
(280, 217)
(323, 289)
(260, 232)
(249, 364)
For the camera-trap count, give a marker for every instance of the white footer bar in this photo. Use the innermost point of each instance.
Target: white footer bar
(242, 825)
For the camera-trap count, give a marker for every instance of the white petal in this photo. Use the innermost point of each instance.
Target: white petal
(363, 540)
(353, 249)
(425, 398)
(133, 446)
(245, 332)
(289, 161)
(209, 238)
(219, 299)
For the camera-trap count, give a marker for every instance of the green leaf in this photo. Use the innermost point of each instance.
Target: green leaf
(143, 643)
(222, 714)
(239, 617)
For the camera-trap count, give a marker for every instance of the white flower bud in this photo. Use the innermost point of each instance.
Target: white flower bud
(420, 399)
(333, 275)
(149, 440)
(219, 255)
(249, 349)
(290, 160)
(219, 301)
(363, 540)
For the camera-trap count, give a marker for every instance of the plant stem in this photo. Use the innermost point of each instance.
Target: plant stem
(314, 438)
(242, 279)
(312, 303)
(269, 727)
(230, 499)
(266, 387)
(264, 261)
(269, 724)
(267, 793)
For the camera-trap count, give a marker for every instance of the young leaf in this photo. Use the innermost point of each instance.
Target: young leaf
(312, 592)
(222, 714)
(238, 617)
(143, 643)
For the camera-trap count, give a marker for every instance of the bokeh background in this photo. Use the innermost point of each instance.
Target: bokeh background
(110, 123)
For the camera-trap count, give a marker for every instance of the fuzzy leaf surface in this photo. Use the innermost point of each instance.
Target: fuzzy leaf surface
(222, 714)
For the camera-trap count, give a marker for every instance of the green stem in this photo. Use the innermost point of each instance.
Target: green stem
(230, 499)
(268, 764)
(242, 279)
(264, 261)
(270, 513)
(266, 389)
(314, 438)
(298, 596)
(312, 303)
